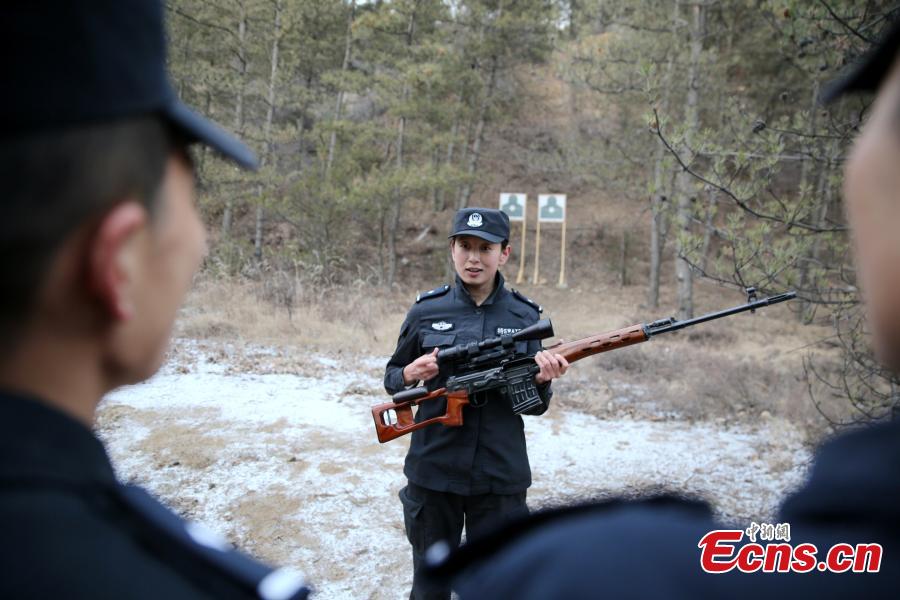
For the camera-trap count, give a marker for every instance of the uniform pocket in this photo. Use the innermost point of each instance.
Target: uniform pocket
(412, 510)
(520, 311)
(410, 505)
(437, 340)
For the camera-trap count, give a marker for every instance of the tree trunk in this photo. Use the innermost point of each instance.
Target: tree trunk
(435, 170)
(203, 150)
(228, 214)
(658, 200)
(258, 230)
(803, 277)
(339, 103)
(708, 228)
(397, 203)
(474, 155)
(574, 16)
(658, 206)
(813, 118)
(712, 194)
(683, 272)
(381, 236)
(464, 155)
(440, 203)
(466, 192)
(825, 192)
(267, 130)
(393, 225)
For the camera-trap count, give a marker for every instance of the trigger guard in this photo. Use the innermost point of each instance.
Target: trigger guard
(477, 400)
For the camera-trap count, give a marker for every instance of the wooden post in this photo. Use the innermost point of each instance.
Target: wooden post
(537, 250)
(562, 258)
(521, 276)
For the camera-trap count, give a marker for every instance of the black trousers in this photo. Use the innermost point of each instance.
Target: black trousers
(431, 516)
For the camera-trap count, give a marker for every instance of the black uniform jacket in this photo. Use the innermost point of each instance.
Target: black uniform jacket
(650, 549)
(487, 454)
(68, 529)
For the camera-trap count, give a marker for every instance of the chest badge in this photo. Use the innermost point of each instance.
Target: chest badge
(508, 330)
(475, 220)
(442, 326)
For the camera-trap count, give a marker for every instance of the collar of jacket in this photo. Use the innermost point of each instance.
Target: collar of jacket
(40, 444)
(463, 293)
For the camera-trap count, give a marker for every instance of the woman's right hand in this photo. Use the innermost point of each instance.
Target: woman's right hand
(422, 369)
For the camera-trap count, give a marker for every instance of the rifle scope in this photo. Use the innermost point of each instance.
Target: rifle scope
(541, 330)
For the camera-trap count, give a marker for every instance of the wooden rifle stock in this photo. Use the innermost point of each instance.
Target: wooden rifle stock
(602, 342)
(388, 430)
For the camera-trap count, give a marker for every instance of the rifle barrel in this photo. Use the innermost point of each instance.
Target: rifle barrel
(650, 330)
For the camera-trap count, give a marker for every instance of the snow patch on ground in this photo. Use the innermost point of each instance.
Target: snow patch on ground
(742, 471)
(288, 466)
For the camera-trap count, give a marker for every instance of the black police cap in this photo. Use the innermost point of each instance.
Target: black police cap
(75, 62)
(487, 223)
(867, 74)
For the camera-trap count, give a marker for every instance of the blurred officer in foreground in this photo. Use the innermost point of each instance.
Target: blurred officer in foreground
(844, 524)
(100, 238)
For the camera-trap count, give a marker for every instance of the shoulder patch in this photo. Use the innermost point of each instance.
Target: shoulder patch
(528, 301)
(435, 293)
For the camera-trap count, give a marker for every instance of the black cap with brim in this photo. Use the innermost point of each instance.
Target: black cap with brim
(494, 239)
(486, 223)
(868, 73)
(199, 129)
(69, 63)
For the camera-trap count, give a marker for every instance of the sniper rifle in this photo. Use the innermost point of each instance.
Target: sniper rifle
(495, 364)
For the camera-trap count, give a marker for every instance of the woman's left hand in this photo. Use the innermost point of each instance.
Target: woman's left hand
(552, 366)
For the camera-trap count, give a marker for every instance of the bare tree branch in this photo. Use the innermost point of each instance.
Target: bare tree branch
(740, 203)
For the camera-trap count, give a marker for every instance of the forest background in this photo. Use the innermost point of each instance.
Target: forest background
(688, 137)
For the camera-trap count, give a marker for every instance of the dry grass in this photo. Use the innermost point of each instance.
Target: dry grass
(340, 320)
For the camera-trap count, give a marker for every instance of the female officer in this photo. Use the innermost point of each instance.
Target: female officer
(476, 474)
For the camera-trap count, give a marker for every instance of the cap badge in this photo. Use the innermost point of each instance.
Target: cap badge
(442, 326)
(475, 220)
